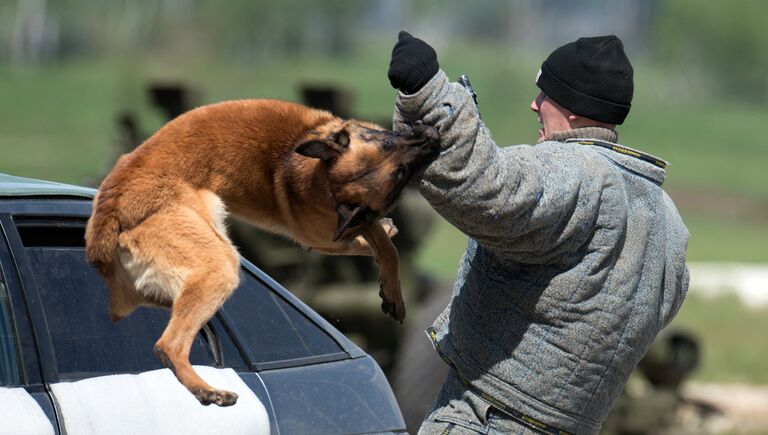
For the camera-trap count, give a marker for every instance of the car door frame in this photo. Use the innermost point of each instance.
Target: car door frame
(31, 296)
(29, 332)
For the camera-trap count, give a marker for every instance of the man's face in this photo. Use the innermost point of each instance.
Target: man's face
(552, 116)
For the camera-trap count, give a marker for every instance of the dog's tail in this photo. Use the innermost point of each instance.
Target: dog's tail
(101, 233)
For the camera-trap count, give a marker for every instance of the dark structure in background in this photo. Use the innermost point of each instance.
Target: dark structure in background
(327, 97)
(172, 99)
(650, 402)
(671, 359)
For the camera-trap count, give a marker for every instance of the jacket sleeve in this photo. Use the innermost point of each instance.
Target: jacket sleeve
(676, 276)
(523, 202)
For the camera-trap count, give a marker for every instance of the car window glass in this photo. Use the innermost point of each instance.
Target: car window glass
(9, 349)
(74, 298)
(272, 328)
(87, 343)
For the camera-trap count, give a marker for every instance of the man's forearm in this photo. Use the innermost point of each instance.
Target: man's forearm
(469, 180)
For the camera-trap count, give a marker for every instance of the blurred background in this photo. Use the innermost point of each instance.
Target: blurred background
(83, 81)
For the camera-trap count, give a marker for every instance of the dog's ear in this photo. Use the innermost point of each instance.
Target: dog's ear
(318, 149)
(348, 216)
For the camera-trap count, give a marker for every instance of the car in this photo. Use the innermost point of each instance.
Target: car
(65, 368)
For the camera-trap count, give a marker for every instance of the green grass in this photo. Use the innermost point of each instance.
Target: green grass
(57, 123)
(715, 238)
(443, 250)
(710, 146)
(732, 338)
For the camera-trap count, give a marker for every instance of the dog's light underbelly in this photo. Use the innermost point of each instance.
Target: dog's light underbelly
(153, 281)
(155, 273)
(217, 211)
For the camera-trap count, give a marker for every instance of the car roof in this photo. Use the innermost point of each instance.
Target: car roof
(11, 185)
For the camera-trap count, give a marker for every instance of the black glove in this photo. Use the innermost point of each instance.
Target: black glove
(413, 63)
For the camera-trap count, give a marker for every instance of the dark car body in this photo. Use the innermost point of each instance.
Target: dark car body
(54, 328)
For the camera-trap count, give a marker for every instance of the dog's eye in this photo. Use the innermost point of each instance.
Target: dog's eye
(401, 172)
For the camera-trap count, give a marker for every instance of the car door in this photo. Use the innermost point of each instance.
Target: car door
(307, 375)
(76, 340)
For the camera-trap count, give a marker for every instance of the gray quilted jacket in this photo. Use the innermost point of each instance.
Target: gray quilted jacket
(575, 261)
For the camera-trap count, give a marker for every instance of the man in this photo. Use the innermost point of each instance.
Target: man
(576, 256)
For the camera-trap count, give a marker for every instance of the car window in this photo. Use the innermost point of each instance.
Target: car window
(87, 343)
(74, 298)
(9, 345)
(271, 327)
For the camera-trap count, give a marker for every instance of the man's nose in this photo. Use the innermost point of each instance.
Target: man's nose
(537, 102)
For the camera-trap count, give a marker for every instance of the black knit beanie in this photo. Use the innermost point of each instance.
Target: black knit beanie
(591, 77)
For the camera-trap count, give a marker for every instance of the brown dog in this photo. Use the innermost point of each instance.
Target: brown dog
(157, 232)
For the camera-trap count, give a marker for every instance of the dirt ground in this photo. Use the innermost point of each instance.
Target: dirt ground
(724, 409)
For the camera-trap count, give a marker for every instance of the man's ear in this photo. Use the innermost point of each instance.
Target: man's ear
(317, 149)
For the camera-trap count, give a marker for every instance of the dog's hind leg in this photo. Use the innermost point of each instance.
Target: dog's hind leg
(181, 257)
(199, 299)
(213, 267)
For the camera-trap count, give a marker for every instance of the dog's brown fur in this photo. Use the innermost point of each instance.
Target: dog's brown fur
(157, 232)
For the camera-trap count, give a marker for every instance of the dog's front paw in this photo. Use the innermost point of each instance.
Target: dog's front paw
(389, 227)
(392, 307)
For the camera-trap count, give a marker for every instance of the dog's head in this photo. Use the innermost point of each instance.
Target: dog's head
(367, 167)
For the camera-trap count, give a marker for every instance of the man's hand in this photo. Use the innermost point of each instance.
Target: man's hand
(413, 63)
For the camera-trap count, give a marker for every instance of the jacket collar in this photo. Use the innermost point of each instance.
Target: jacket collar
(600, 133)
(604, 141)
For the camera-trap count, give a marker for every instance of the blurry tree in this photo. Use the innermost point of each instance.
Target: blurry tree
(34, 34)
(728, 40)
(489, 20)
(249, 28)
(32, 31)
